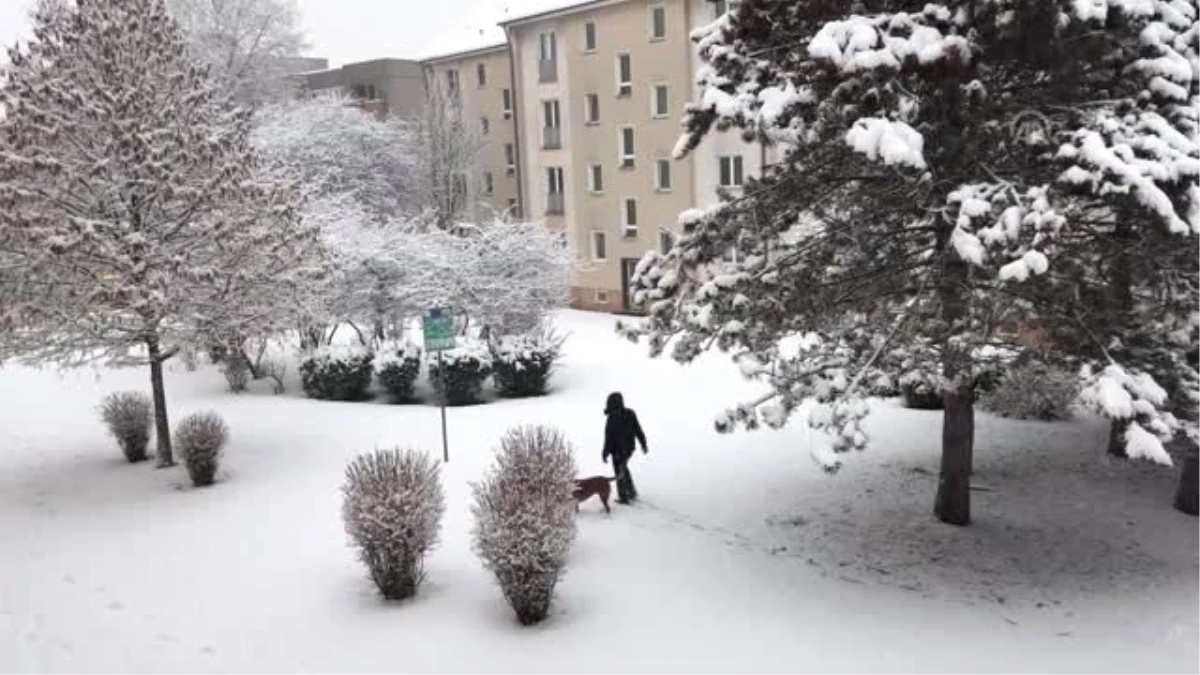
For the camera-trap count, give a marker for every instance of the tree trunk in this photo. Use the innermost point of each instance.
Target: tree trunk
(162, 426)
(1185, 495)
(953, 503)
(1116, 438)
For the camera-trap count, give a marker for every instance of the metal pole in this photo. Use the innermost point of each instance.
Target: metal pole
(445, 443)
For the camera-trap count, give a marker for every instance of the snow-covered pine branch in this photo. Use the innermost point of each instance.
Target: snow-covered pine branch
(983, 167)
(132, 220)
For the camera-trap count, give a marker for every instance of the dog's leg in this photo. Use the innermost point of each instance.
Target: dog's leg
(604, 500)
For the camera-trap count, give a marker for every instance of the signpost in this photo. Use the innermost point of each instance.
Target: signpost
(437, 327)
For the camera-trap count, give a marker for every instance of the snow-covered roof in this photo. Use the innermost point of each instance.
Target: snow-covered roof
(482, 29)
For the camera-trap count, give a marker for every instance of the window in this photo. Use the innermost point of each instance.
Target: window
(548, 57)
(662, 175)
(658, 22)
(602, 297)
(489, 184)
(595, 178)
(624, 75)
(481, 74)
(589, 37)
(364, 91)
(658, 102)
(555, 202)
(626, 147)
(591, 108)
(452, 82)
(599, 246)
(547, 46)
(510, 159)
(512, 207)
(459, 186)
(719, 8)
(731, 171)
(484, 126)
(629, 218)
(666, 241)
(551, 125)
(506, 102)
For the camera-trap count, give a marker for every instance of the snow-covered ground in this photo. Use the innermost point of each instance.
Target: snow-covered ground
(742, 557)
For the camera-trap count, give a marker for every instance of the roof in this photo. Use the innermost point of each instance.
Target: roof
(480, 31)
(484, 27)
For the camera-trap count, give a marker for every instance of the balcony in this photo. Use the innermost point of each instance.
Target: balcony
(548, 70)
(551, 138)
(555, 203)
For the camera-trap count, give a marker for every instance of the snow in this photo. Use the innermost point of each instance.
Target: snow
(741, 557)
(891, 142)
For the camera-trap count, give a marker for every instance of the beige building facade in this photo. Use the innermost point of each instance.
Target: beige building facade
(601, 87)
(481, 81)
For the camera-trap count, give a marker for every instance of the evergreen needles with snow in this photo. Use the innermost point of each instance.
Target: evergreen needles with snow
(337, 373)
(392, 506)
(397, 371)
(522, 364)
(458, 374)
(128, 416)
(525, 518)
(201, 437)
(1034, 391)
(946, 177)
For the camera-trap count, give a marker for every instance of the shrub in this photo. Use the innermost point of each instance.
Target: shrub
(128, 416)
(398, 370)
(1034, 391)
(337, 373)
(525, 518)
(921, 390)
(522, 364)
(236, 371)
(392, 508)
(200, 438)
(458, 374)
(275, 369)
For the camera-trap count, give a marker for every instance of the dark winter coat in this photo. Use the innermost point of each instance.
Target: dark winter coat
(622, 429)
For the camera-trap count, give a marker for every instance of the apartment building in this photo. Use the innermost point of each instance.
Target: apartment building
(600, 92)
(479, 78)
(383, 86)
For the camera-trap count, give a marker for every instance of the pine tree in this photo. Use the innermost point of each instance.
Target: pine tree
(951, 175)
(131, 220)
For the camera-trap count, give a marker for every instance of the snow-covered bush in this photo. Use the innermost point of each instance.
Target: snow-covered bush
(1034, 391)
(274, 369)
(525, 517)
(397, 371)
(337, 373)
(522, 363)
(392, 508)
(458, 374)
(200, 438)
(237, 372)
(128, 414)
(919, 390)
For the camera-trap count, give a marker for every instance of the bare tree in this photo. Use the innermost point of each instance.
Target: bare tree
(246, 43)
(449, 155)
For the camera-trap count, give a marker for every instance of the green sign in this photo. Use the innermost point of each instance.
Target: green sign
(438, 329)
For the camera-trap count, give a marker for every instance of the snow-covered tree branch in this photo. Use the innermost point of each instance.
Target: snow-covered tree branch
(132, 219)
(980, 168)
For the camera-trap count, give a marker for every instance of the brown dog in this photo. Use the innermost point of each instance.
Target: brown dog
(585, 488)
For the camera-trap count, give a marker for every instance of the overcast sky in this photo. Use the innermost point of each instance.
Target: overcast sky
(340, 30)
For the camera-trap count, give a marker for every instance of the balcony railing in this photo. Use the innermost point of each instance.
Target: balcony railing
(548, 70)
(551, 138)
(555, 202)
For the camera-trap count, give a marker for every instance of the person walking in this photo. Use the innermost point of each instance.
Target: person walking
(622, 432)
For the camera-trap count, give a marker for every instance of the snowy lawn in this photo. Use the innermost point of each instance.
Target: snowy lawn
(742, 556)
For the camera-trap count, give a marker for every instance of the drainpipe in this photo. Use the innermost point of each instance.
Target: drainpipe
(517, 149)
